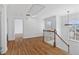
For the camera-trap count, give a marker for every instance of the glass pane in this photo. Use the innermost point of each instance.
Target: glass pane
(72, 33)
(77, 32)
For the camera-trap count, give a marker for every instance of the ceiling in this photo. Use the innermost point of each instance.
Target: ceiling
(17, 10)
(49, 9)
(58, 9)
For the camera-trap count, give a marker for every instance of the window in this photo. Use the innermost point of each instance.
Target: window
(74, 30)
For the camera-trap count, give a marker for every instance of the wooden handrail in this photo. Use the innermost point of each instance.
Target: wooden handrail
(55, 33)
(62, 40)
(50, 30)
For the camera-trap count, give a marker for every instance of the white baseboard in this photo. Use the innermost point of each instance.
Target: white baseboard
(11, 39)
(33, 36)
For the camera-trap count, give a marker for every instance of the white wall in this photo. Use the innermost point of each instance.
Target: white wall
(60, 28)
(10, 28)
(33, 27)
(14, 12)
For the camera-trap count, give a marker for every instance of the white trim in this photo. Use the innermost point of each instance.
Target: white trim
(11, 39)
(74, 40)
(33, 36)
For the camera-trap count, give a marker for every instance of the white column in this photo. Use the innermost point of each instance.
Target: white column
(4, 29)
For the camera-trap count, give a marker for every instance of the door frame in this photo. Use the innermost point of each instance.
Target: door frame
(14, 25)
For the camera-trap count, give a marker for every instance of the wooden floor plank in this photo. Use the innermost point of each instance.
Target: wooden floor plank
(32, 46)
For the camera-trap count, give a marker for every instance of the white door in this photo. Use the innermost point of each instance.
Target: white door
(18, 28)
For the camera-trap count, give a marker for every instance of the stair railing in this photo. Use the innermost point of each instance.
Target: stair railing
(55, 33)
(63, 41)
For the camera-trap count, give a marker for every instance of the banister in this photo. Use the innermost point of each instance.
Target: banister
(55, 33)
(62, 40)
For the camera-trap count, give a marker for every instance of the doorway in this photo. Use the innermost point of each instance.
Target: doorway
(18, 28)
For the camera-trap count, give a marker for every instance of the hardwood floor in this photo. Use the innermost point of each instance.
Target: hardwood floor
(32, 46)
